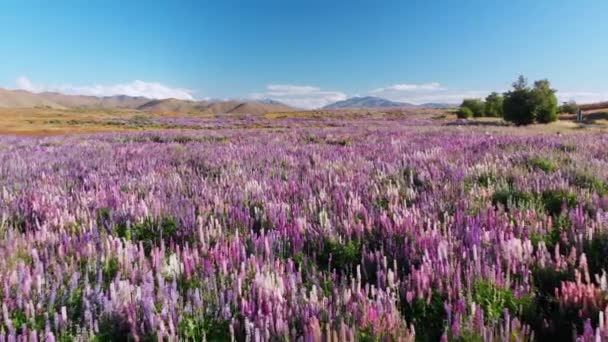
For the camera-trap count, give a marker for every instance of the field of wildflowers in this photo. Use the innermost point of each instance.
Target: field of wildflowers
(359, 230)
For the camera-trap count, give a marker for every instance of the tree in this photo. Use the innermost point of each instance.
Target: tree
(518, 104)
(569, 107)
(464, 113)
(476, 106)
(545, 102)
(493, 107)
(524, 105)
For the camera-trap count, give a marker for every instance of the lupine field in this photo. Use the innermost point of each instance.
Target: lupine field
(368, 229)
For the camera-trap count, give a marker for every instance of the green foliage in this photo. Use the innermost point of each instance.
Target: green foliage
(75, 304)
(201, 328)
(542, 163)
(476, 106)
(566, 148)
(113, 328)
(464, 113)
(366, 335)
(569, 108)
(518, 106)
(21, 322)
(590, 182)
(467, 336)
(344, 256)
(495, 300)
(494, 105)
(524, 106)
(486, 179)
(104, 216)
(510, 197)
(596, 251)
(339, 142)
(408, 176)
(554, 200)
(110, 270)
(150, 232)
(545, 102)
(547, 279)
(429, 319)
(548, 318)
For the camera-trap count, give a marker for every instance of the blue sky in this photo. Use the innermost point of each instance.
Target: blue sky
(306, 53)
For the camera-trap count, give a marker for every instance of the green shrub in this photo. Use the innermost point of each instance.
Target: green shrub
(150, 232)
(567, 148)
(464, 113)
(476, 106)
(586, 181)
(569, 107)
(596, 251)
(552, 238)
(467, 336)
(110, 270)
(512, 197)
(484, 180)
(524, 105)
(554, 200)
(542, 163)
(494, 300)
(545, 102)
(344, 256)
(113, 328)
(408, 176)
(201, 328)
(518, 105)
(547, 319)
(494, 105)
(429, 319)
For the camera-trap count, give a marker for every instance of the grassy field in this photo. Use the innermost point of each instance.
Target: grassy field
(360, 226)
(48, 122)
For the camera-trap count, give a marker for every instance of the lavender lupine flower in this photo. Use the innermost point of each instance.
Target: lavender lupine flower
(308, 229)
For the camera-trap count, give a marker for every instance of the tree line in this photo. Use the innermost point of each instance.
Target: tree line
(523, 105)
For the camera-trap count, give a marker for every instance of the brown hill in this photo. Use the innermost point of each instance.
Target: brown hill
(260, 108)
(214, 107)
(594, 106)
(25, 99)
(172, 106)
(106, 102)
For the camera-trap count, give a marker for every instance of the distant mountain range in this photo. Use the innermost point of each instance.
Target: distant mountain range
(377, 102)
(25, 99)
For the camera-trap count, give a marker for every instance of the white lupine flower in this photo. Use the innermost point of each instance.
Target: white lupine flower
(515, 249)
(271, 283)
(604, 281)
(301, 224)
(64, 314)
(173, 267)
(324, 220)
(442, 250)
(391, 278)
(313, 298)
(252, 187)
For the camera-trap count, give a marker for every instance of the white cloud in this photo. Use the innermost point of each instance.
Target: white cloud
(307, 97)
(405, 87)
(153, 90)
(582, 96)
(426, 93)
(435, 92)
